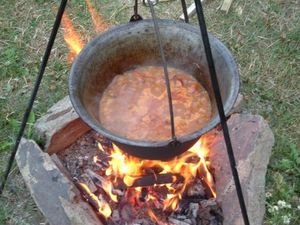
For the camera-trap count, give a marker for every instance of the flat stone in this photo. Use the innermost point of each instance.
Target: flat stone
(57, 197)
(252, 142)
(60, 126)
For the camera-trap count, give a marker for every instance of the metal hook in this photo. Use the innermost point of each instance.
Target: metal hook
(147, 2)
(136, 16)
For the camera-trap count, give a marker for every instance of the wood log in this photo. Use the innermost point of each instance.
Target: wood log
(60, 126)
(151, 180)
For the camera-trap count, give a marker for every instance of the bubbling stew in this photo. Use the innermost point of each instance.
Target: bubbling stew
(135, 104)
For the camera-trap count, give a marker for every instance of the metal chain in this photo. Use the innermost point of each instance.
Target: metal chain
(167, 80)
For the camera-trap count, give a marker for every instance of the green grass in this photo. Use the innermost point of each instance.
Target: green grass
(263, 35)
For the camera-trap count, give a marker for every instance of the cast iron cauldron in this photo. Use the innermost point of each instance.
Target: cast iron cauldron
(126, 46)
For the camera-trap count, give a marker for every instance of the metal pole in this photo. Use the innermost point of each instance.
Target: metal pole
(216, 88)
(34, 91)
(184, 10)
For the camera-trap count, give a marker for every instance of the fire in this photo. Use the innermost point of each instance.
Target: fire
(102, 206)
(99, 24)
(142, 178)
(181, 171)
(131, 168)
(73, 38)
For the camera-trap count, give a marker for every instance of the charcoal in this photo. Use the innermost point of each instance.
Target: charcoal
(209, 203)
(143, 195)
(142, 222)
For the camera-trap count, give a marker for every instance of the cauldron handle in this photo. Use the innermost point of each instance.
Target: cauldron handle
(166, 73)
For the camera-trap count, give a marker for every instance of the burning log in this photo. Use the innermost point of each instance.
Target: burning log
(144, 181)
(101, 163)
(89, 182)
(97, 179)
(104, 185)
(151, 180)
(99, 204)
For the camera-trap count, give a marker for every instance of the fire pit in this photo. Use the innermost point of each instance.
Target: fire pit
(125, 189)
(70, 153)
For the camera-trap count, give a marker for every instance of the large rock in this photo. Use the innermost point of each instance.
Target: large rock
(57, 198)
(252, 142)
(60, 126)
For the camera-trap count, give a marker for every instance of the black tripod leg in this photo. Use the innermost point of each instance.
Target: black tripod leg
(217, 93)
(34, 91)
(184, 10)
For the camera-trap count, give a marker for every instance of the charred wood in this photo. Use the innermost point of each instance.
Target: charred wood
(151, 180)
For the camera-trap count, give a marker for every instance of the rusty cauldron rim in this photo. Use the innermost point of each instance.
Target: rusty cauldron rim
(122, 141)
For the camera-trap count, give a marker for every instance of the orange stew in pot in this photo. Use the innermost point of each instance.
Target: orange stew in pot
(135, 104)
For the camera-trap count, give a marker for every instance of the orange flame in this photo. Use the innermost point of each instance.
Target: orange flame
(108, 188)
(99, 24)
(130, 168)
(153, 217)
(103, 207)
(72, 37)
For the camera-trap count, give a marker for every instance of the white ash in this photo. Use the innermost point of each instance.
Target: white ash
(196, 189)
(194, 209)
